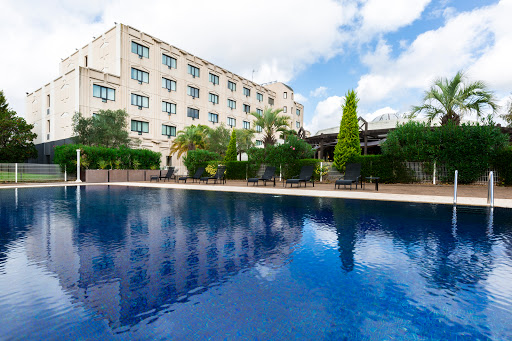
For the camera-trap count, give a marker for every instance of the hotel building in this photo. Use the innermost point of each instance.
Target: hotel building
(162, 87)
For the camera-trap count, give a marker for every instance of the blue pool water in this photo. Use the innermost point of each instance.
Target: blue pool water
(139, 263)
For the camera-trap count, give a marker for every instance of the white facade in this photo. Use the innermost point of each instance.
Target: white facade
(163, 88)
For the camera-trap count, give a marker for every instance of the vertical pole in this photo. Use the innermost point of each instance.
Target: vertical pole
(434, 176)
(280, 175)
(16, 172)
(490, 190)
(455, 187)
(321, 168)
(78, 166)
(65, 174)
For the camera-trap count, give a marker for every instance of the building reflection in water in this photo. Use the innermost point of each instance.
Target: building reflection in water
(131, 256)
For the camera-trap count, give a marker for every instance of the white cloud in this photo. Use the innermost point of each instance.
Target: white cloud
(319, 92)
(327, 114)
(479, 41)
(390, 15)
(300, 98)
(277, 43)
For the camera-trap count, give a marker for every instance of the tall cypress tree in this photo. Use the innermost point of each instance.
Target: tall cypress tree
(231, 152)
(348, 137)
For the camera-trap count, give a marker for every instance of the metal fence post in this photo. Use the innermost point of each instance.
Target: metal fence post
(78, 166)
(16, 172)
(455, 187)
(434, 176)
(65, 174)
(490, 190)
(321, 170)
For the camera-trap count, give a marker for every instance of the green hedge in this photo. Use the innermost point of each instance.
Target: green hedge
(287, 153)
(503, 165)
(468, 148)
(199, 158)
(116, 158)
(293, 169)
(388, 169)
(239, 170)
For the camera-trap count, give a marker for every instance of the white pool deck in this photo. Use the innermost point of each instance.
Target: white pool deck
(345, 194)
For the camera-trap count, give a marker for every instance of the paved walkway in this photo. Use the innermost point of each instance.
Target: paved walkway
(441, 194)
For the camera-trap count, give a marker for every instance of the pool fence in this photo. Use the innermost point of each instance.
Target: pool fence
(31, 172)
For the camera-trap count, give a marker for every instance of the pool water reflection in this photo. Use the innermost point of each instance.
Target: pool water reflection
(135, 263)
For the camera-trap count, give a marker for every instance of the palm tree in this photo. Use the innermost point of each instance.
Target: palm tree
(244, 141)
(271, 122)
(190, 138)
(507, 116)
(451, 99)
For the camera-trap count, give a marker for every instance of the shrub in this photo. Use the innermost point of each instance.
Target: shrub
(287, 153)
(389, 170)
(503, 164)
(239, 170)
(123, 157)
(199, 158)
(468, 148)
(231, 151)
(411, 141)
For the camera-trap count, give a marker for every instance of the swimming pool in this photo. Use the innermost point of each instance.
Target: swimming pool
(115, 262)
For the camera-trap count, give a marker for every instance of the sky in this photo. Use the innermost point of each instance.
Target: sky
(389, 51)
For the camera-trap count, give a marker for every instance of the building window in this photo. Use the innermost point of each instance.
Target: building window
(140, 101)
(106, 94)
(259, 97)
(169, 61)
(285, 94)
(140, 76)
(168, 130)
(194, 92)
(140, 127)
(169, 108)
(270, 101)
(285, 109)
(194, 71)
(247, 108)
(86, 61)
(48, 101)
(297, 124)
(214, 79)
(231, 86)
(231, 122)
(259, 143)
(194, 113)
(259, 129)
(213, 98)
(247, 125)
(140, 50)
(247, 92)
(298, 112)
(231, 104)
(168, 84)
(259, 111)
(213, 117)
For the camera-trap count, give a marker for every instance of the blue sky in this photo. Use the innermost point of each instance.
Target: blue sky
(388, 50)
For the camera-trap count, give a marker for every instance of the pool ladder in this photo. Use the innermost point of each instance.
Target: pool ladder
(490, 188)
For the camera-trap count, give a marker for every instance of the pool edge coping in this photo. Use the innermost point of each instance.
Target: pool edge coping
(428, 199)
